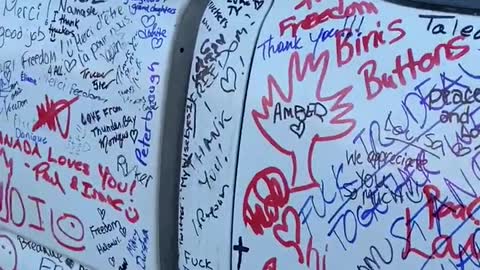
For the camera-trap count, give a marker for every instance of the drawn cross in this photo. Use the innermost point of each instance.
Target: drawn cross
(240, 248)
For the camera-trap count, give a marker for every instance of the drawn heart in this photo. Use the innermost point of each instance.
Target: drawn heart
(286, 231)
(123, 231)
(134, 135)
(298, 129)
(157, 43)
(229, 83)
(101, 212)
(148, 21)
(111, 260)
(258, 4)
(69, 65)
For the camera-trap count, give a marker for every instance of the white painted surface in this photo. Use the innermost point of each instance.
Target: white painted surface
(300, 202)
(87, 81)
(218, 81)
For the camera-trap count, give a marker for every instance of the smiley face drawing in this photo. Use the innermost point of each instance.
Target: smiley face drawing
(8, 253)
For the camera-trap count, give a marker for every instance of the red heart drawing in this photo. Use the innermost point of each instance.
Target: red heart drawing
(271, 264)
(287, 231)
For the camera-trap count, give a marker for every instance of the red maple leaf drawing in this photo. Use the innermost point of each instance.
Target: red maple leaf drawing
(295, 133)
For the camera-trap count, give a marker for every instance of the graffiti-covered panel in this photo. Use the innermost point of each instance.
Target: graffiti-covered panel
(359, 145)
(82, 94)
